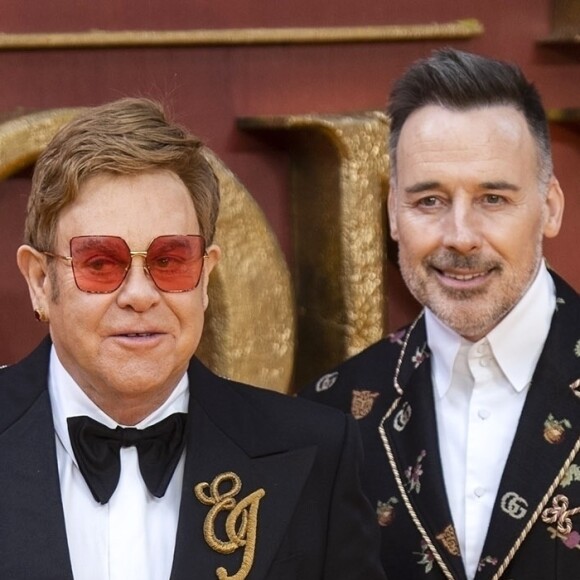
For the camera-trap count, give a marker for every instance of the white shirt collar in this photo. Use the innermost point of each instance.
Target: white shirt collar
(69, 400)
(516, 342)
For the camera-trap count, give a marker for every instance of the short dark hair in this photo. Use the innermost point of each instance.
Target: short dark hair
(125, 137)
(460, 81)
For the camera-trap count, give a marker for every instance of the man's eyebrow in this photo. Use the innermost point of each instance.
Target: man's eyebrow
(499, 186)
(422, 186)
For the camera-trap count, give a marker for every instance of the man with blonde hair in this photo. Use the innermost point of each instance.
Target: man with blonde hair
(123, 457)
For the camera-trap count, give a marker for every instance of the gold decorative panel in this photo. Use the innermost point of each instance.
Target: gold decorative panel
(339, 182)
(569, 116)
(23, 137)
(565, 23)
(458, 29)
(250, 329)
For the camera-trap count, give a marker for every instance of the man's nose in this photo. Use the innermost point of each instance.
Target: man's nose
(138, 289)
(462, 229)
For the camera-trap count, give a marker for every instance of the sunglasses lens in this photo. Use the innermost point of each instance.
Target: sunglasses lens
(175, 262)
(99, 263)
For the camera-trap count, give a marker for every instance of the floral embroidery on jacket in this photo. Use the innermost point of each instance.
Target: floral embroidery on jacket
(577, 349)
(555, 429)
(397, 337)
(571, 540)
(386, 511)
(486, 560)
(427, 557)
(413, 474)
(573, 474)
(420, 355)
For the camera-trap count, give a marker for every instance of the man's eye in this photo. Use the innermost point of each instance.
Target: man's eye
(493, 199)
(100, 263)
(430, 201)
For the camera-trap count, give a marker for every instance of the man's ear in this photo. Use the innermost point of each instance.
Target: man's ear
(32, 265)
(392, 211)
(554, 206)
(213, 256)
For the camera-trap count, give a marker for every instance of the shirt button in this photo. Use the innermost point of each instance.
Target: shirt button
(479, 491)
(484, 362)
(483, 414)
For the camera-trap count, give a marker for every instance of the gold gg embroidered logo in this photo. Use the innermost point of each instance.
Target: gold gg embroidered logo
(402, 417)
(514, 505)
(241, 523)
(325, 382)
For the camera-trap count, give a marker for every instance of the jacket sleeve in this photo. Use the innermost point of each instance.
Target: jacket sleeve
(353, 551)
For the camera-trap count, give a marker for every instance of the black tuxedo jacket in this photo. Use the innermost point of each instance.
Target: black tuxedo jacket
(534, 531)
(312, 522)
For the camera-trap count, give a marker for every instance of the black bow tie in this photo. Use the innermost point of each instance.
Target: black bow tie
(97, 450)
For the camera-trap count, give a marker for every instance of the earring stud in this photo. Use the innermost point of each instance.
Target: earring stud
(40, 315)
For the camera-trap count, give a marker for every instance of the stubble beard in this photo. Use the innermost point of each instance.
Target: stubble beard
(472, 313)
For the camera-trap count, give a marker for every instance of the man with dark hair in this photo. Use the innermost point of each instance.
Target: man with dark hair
(471, 444)
(122, 457)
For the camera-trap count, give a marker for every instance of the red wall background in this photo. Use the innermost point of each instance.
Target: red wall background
(208, 88)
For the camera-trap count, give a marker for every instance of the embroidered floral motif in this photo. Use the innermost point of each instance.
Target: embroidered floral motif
(487, 560)
(420, 355)
(573, 474)
(396, 337)
(325, 382)
(386, 511)
(413, 474)
(577, 349)
(571, 540)
(402, 417)
(555, 429)
(427, 557)
(575, 386)
(362, 403)
(449, 540)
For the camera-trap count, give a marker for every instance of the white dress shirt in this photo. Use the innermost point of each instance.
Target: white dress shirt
(133, 536)
(480, 389)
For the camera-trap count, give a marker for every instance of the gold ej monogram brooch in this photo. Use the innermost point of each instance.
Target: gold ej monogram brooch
(241, 522)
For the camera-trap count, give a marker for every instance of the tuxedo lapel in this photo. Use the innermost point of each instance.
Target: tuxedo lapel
(32, 528)
(546, 441)
(228, 436)
(409, 432)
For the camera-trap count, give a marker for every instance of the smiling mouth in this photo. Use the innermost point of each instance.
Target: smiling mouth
(464, 282)
(463, 277)
(137, 335)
